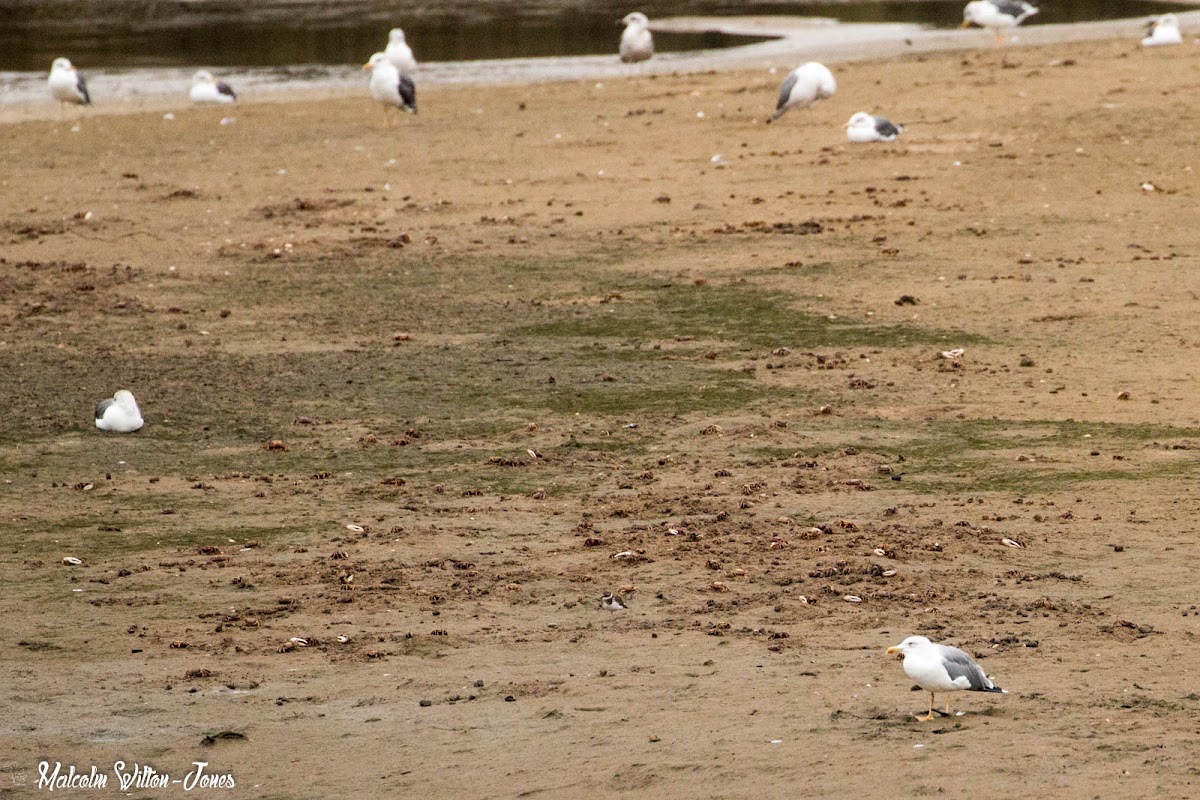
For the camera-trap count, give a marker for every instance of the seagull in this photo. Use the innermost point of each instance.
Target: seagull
(67, 85)
(863, 127)
(119, 413)
(612, 602)
(1164, 30)
(389, 86)
(636, 42)
(399, 53)
(207, 89)
(939, 668)
(804, 86)
(997, 14)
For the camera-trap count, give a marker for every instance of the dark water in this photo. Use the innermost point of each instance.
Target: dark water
(443, 31)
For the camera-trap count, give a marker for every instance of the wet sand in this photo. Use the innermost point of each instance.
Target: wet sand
(541, 326)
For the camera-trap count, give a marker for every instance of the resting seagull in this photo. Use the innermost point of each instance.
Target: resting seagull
(939, 668)
(207, 89)
(119, 413)
(1164, 30)
(399, 53)
(996, 15)
(804, 86)
(863, 127)
(636, 42)
(67, 85)
(389, 86)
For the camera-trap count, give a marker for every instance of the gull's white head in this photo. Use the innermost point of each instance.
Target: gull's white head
(1166, 21)
(61, 63)
(636, 18)
(395, 35)
(377, 60)
(203, 76)
(908, 645)
(861, 120)
(974, 11)
(124, 398)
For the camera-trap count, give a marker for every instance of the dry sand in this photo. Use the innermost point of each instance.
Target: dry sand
(414, 307)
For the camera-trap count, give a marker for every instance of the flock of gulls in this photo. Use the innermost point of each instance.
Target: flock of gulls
(936, 668)
(392, 69)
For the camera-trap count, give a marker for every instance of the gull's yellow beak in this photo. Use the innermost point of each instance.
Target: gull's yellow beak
(965, 24)
(893, 651)
(367, 66)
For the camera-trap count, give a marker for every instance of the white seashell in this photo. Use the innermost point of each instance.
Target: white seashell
(955, 353)
(887, 573)
(89, 487)
(1011, 542)
(71, 561)
(299, 642)
(803, 600)
(852, 598)
(355, 528)
(343, 639)
(879, 551)
(623, 554)
(672, 531)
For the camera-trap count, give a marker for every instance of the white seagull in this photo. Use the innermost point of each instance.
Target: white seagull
(636, 42)
(389, 86)
(207, 89)
(399, 53)
(863, 127)
(804, 86)
(119, 413)
(996, 15)
(939, 668)
(1164, 30)
(67, 85)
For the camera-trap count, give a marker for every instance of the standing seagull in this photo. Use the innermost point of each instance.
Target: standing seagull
(389, 86)
(1164, 30)
(938, 668)
(997, 15)
(863, 127)
(399, 53)
(636, 42)
(67, 85)
(804, 86)
(207, 89)
(119, 413)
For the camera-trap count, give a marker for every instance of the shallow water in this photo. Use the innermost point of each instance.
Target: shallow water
(454, 31)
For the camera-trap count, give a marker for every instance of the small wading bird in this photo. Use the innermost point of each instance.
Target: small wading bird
(636, 42)
(67, 85)
(1164, 30)
(939, 668)
(804, 86)
(119, 413)
(207, 89)
(863, 127)
(399, 53)
(997, 15)
(612, 602)
(389, 86)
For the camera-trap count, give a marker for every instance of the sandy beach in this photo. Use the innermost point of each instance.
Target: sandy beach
(418, 390)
